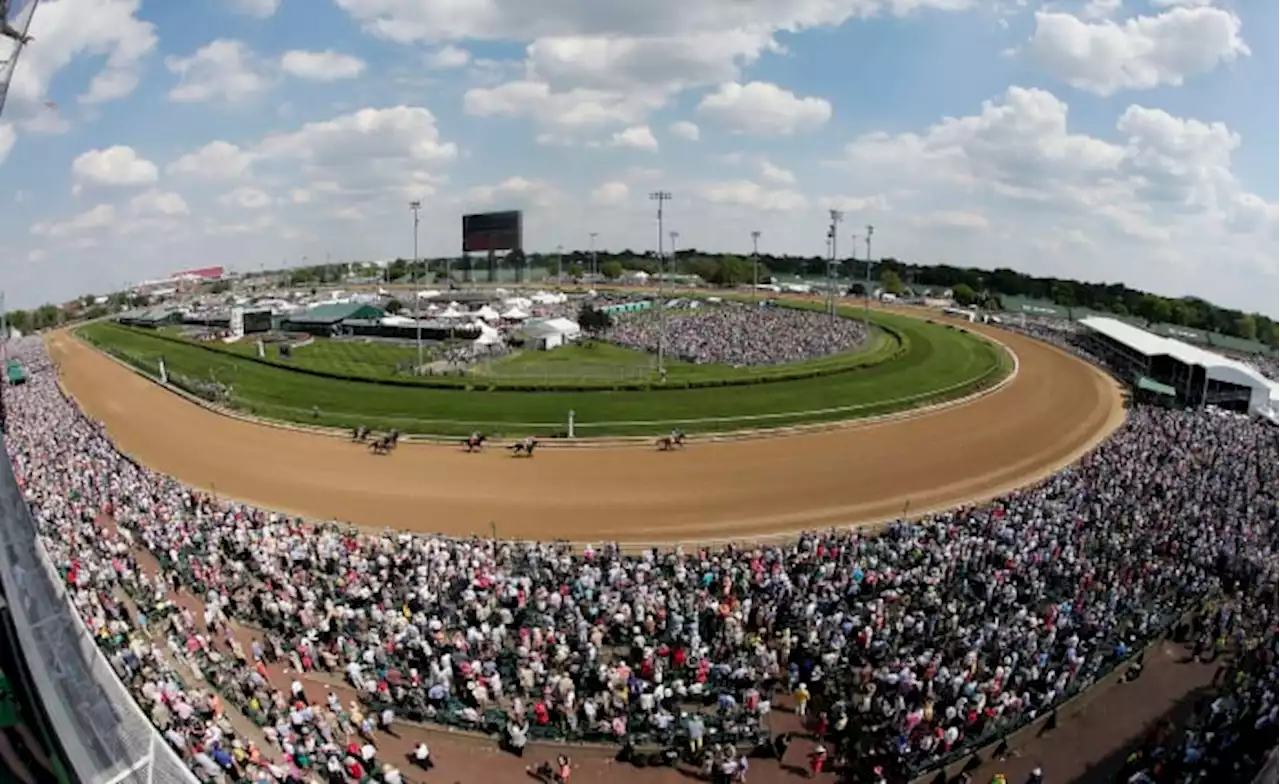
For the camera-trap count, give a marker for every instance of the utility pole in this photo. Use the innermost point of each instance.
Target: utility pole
(755, 266)
(595, 267)
(866, 309)
(415, 206)
(836, 217)
(661, 197)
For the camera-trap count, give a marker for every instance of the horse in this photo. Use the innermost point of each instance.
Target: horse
(474, 442)
(523, 448)
(673, 441)
(383, 445)
(360, 434)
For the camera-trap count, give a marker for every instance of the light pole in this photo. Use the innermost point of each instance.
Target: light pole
(836, 217)
(866, 310)
(755, 266)
(415, 206)
(559, 264)
(595, 268)
(674, 235)
(661, 197)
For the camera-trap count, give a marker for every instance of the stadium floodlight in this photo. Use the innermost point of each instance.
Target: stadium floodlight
(661, 197)
(836, 217)
(416, 206)
(755, 265)
(866, 309)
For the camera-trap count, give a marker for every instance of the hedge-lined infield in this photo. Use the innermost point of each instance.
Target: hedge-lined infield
(930, 363)
(888, 345)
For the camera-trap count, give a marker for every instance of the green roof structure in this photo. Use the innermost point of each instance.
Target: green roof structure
(336, 312)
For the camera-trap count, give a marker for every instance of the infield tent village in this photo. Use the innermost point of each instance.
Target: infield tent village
(1183, 373)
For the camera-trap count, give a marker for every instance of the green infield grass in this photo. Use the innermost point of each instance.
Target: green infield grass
(926, 363)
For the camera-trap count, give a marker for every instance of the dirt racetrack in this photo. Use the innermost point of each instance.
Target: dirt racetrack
(1055, 409)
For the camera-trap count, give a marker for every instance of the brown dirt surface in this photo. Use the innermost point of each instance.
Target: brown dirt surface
(1056, 408)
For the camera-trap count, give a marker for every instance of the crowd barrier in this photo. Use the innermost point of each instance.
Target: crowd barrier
(105, 735)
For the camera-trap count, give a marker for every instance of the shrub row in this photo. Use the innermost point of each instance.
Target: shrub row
(472, 384)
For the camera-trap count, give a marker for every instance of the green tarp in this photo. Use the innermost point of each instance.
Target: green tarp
(1149, 384)
(15, 373)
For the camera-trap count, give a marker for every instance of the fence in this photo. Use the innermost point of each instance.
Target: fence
(106, 736)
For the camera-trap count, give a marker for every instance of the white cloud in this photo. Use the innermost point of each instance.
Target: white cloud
(245, 197)
(638, 137)
(686, 130)
(116, 166)
(7, 139)
(99, 217)
(1138, 54)
(259, 9)
(962, 220)
(764, 109)
(776, 174)
(367, 152)
(448, 57)
(611, 194)
(217, 160)
(567, 111)
(161, 203)
(744, 193)
(223, 70)
(852, 206)
(512, 192)
(326, 66)
(69, 29)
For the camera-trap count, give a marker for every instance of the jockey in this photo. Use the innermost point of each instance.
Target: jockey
(677, 435)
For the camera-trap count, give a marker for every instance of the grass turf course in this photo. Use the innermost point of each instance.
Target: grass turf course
(935, 363)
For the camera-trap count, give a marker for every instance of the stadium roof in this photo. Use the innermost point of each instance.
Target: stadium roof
(338, 311)
(1148, 344)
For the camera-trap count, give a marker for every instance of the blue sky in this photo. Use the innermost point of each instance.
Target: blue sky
(1103, 140)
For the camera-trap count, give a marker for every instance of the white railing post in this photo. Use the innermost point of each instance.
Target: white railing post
(571, 423)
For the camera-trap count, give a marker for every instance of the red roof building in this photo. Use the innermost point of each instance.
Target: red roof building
(206, 273)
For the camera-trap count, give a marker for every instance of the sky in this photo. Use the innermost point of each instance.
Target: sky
(1128, 141)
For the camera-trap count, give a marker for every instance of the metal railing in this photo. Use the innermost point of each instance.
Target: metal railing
(106, 736)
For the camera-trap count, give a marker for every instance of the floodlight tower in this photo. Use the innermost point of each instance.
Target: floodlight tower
(595, 267)
(661, 197)
(755, 265)
(866, 309)
(415, 206)
(836, 217)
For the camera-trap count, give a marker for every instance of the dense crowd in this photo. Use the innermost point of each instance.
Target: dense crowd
(904, 649)
(738, 334)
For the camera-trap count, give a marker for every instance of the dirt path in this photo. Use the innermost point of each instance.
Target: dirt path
(1056, 408)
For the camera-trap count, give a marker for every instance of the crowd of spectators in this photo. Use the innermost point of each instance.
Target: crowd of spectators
(737, 334)
(903, 649)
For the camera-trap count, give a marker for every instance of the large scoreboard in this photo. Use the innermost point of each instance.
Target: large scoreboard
(488, 231)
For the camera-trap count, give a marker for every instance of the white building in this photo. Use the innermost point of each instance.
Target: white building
(550, 332)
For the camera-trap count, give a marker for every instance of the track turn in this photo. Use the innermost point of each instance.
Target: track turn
(1055, 409)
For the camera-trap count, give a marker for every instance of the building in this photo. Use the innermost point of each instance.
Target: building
(203, 274)
(1173, 369)
(150, 318)
(327, 319)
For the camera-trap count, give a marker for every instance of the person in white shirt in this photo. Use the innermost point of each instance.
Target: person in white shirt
(422, 757)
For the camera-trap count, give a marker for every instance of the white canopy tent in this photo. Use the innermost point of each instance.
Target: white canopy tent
(487, 313)
(453, 312)
(549, 333)
(514, 313)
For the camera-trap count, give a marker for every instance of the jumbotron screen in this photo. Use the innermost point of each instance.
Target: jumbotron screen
(488, 231)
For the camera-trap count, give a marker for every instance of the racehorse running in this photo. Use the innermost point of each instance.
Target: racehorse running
(475, 442)
(524, 447)
(669, 442)
(384, 445)
(360, 434)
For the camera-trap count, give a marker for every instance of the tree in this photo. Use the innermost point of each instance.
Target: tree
(576, 270)
(963, 294)
(593, 319)
(857, 290)
(891, 283)
(1247, 327)
(394, 306)
(611, 269)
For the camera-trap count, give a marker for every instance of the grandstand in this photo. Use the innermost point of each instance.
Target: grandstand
(1188, 374)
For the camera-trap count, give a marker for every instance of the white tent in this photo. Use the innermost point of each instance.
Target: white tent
(548, 333)
(453, 312)
(397, 321)
(548, 298)
(488, 336)
(428, 294)
(487, 313)
(514, 313)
